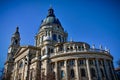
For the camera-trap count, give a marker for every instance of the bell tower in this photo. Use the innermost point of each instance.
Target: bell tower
(14, 45)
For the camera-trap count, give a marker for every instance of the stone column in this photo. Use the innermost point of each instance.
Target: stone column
(40, 40)
(106, 70)
(98, 69)
(88, 69)
(64, 48)
(111, 66)
(28, 65)
(84, 47)
(66, 68)
(46, 49)
(56, 70)
(15, 71)
(77, 49)
(50, 34)
(77, 70)
(38, 67)
(23, 70)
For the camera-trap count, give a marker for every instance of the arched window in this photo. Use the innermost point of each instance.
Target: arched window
(82, 72)
(59, 37)
(79, 47)
(49, 51)
(93, 73)
(52, 51)
(46, 33)
(16, 42)
(68, 49)
(54, 37)
(62, 74)
(72, 73)
(63, 39)
(71, 48)
(102, 73)
(21, 64)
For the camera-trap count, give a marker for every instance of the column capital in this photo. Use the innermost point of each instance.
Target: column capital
(76, 58)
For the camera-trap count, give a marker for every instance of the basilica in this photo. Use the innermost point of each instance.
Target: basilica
(54, 56)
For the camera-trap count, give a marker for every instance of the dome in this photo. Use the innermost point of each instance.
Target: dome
(50, 19)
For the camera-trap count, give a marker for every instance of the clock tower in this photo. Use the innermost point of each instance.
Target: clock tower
(14, 45)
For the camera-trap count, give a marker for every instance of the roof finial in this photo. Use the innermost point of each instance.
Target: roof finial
(51, 12)
(100, 47)
(17, 29)
(105, 48)
(93, 46)
(71, 40)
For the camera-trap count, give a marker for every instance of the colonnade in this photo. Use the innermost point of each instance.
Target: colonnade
(88, 73)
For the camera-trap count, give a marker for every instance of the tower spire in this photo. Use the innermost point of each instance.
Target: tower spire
(17, 29)
(15, 40)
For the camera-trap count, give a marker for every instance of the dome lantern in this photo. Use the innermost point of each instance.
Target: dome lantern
(51, 12)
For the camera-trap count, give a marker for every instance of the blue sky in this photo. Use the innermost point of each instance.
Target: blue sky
(92, 21)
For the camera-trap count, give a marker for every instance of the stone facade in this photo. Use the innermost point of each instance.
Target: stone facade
(68, 60)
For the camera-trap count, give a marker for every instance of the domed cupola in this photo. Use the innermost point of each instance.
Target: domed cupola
(51, 30)
(50, 19)
(51, 12)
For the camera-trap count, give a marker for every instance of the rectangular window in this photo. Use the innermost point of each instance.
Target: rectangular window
(61, 63)
(91, 62)
(81, 62)
(72, 62)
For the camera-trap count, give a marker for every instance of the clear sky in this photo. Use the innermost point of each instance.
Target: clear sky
(92, 21)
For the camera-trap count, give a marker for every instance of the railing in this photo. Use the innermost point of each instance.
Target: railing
(83, 50)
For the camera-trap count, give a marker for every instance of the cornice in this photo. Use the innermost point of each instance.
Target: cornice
(78, 53)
